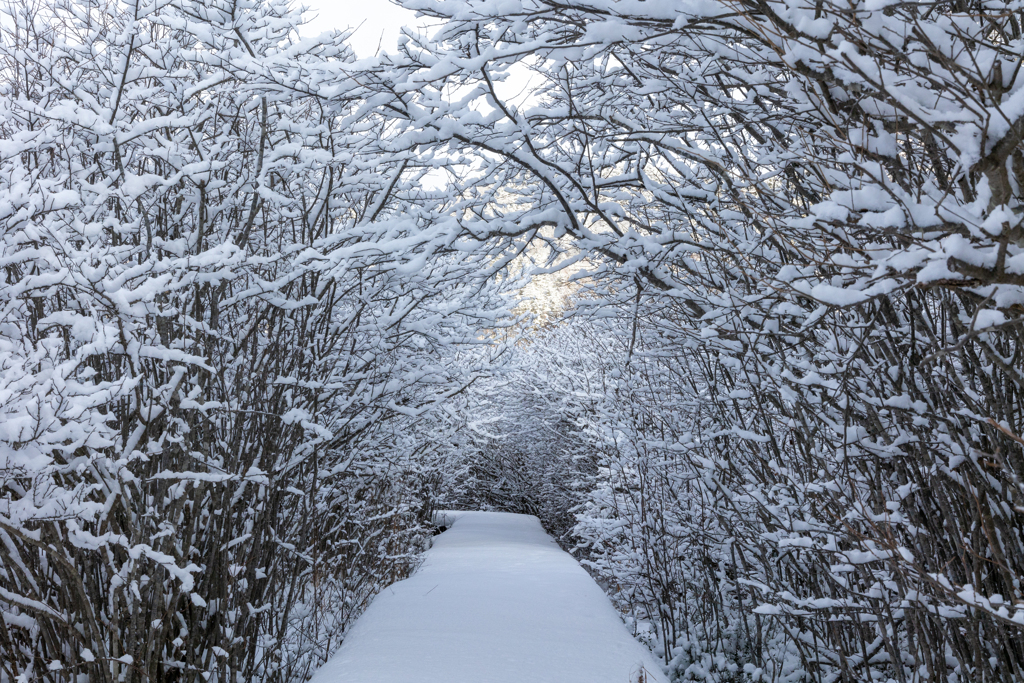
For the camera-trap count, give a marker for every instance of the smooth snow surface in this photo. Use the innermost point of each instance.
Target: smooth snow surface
(496, 601)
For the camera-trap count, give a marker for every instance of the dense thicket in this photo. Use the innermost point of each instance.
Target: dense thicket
(227, 314)
(524, 443)
(253, 307)
(803, 225)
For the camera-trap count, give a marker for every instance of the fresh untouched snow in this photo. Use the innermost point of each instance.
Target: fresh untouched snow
(496, 601)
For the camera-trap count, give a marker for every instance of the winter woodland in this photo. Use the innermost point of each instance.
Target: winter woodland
(266, 307)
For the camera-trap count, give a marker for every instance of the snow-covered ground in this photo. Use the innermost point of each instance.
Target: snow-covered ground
(496, 601)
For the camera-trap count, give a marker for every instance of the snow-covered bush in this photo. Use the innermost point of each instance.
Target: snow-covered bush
(521, 445)
(220, 342)
(806, 219)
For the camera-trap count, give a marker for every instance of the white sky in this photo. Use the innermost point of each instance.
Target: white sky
(379, 22)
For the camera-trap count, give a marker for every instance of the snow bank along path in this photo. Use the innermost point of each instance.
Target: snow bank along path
(496, 601)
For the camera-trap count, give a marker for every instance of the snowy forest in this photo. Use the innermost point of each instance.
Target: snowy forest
(728, 293)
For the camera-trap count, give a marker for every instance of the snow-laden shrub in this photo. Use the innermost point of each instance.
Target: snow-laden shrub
(221, 345)
(801, 226)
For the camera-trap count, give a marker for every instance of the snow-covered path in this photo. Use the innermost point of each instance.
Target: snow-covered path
(496, 601)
